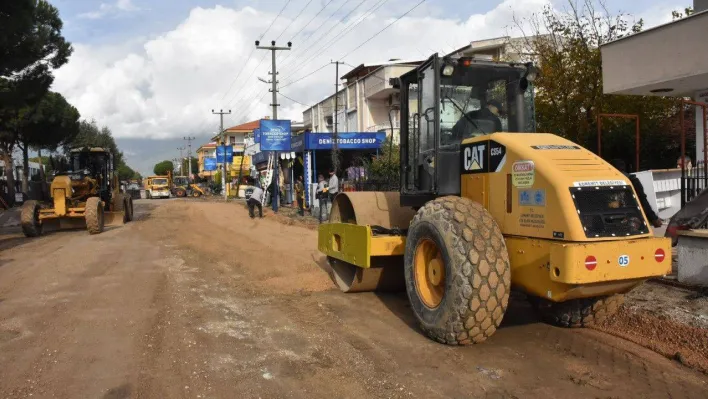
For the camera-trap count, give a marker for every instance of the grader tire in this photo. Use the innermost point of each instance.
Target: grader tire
(129, 208)
(94, 215)
(29, 219)
(460, 293)
(577, 313)
(120, 204)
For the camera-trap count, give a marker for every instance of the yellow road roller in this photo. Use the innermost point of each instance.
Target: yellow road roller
(85, 193)
(485, 206)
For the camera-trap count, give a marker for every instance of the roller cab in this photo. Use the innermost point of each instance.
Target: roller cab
(485, 206)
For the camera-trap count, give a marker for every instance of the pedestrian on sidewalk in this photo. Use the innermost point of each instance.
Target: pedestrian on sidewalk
(332, 188)
(300, 196)
(321, 195)
(255, 201)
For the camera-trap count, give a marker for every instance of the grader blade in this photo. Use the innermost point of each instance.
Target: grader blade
(114, 218)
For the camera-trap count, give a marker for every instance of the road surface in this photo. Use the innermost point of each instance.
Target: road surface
(196, 300)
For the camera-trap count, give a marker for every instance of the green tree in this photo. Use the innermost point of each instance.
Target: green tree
(125, 172)
(569, 92)
(161, 168)
(50, 124)
(31, 46)
(90, 135)
(384, 168)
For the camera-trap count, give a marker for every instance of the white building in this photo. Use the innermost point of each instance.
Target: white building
(19, 172)
(364, 104)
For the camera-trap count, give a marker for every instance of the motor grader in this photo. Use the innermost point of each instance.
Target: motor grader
(486, 206)
(84, 193)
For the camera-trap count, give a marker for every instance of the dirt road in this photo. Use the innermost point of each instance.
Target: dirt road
(195, 300)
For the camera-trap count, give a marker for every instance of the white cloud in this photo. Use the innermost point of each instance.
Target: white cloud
(106, 9)
(167, 86)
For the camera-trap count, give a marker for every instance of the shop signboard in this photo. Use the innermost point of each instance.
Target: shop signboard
(345, 140)
(220, 154)
(257, 135)
(209, 164)
(275, 135)
(261, 157)
(297, 143)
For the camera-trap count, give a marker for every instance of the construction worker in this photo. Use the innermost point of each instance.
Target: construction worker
(321, 195)
(332, 188)
(300, 196)
(255, 200)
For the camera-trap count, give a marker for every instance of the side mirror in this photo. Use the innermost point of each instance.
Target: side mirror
(395, 83)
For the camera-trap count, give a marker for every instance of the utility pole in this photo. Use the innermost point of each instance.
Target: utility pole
(335, 144)
(181, 162)
(189, 157)
(274, 90)
(221, 114)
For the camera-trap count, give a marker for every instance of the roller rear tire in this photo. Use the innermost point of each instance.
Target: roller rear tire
(576, 313)
(457, 271)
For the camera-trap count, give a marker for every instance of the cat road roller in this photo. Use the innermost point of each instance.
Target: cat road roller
(85, 193)
(482, 211)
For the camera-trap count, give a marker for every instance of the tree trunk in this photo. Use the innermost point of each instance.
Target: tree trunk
(42, 177)
(10, 174)
(25, 169)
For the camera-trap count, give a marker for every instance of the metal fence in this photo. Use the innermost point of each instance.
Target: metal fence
(694, 180)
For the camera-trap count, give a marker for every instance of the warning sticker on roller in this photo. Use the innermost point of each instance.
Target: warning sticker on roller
(523, 174)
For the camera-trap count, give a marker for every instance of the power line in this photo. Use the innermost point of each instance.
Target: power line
(253, 49)
(306, 39)
(312, 19)
(306, 76)
(384, 28)
(295, 101)
(294, 19)
(274, 19)
(316, 42)
(344, 32)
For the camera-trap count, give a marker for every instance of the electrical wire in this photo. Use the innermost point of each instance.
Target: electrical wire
(295, 101)
(306, 76)
(275, 19)
(341, 34)
(384, 28)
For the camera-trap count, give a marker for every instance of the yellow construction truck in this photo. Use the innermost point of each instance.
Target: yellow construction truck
(157, 187)
(486, 206)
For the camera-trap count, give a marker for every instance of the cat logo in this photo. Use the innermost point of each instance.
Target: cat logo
(474, 157)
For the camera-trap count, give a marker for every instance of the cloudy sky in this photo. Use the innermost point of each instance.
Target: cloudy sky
(152, 70)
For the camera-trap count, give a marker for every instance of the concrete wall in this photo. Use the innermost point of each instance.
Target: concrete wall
(693, 257)
(663, 57)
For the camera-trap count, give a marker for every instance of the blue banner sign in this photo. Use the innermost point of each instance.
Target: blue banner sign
(257, 135)
(220, 154)
(345, 140)
(209, 164)
(275, 135)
